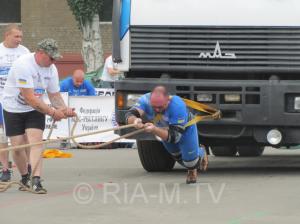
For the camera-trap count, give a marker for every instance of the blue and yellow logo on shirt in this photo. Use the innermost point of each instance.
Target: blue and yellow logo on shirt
(22, 81)
(39, 92)
(180, 120)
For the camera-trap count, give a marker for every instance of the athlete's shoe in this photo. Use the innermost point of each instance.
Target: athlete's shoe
(36, 186)
(191, 176)
(25, 181)
(6, 175)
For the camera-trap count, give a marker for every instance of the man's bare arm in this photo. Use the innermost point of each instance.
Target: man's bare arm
(35, 102)
(131, 115)
(57, 101)
(114, 72)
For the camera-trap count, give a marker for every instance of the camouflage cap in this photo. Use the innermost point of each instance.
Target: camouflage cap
(50, 47)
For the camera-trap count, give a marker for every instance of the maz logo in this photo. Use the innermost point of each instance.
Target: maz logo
(217, 54)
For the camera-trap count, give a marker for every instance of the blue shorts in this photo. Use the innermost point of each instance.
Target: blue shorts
(1, 115)
(188, 145)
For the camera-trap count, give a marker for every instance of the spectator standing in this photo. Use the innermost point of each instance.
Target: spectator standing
(10, 50)
(110, 74)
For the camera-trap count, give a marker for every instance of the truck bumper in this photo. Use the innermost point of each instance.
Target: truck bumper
(264, 105)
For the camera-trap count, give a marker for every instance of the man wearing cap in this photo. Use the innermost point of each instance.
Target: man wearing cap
(169, 116)
(30, 77)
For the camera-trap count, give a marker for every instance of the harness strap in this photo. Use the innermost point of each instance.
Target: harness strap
(212, 112)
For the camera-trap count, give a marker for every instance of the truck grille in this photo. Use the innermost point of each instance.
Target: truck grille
(178, 48)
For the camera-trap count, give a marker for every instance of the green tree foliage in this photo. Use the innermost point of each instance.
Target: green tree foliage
(84, 10)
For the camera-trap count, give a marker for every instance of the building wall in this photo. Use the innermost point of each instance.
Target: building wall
(53, 19)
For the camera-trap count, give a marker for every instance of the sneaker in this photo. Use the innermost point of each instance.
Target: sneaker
(191, 176)
(25, 181)
(36, 186)
(64, 145)
(6, 176)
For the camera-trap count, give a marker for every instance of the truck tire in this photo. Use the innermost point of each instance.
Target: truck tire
(224, 150)
(250, 151)
(154, 157)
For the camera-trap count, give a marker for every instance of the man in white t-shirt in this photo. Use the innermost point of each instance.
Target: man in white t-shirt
(30, 77)
(110, 74)
(10, 50)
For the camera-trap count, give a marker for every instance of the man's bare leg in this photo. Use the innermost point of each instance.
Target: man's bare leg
(27, 150)
(6, 173)
(36, 135)
(19, 156)
(4, 156)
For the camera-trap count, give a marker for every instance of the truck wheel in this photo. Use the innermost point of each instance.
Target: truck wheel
(250, 151)
(224, 150)
(154, 156)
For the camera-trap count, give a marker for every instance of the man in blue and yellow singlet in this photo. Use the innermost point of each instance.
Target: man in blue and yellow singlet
(169, 116)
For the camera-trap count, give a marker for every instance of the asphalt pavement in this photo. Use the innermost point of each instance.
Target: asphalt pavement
(110, 186)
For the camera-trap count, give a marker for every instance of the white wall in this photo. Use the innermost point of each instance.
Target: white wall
(216, 12)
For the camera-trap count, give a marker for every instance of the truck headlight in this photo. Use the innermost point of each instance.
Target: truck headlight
(232, 98)
(297, 103)
(126, 100)
(203, 97)
(132, 99)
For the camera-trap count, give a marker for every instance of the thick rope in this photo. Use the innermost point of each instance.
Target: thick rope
(18, 147)
(105, 143)
(5, 185)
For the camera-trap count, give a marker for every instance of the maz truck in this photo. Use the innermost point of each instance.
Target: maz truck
(241, 56)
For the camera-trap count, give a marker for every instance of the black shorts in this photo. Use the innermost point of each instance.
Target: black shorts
(17, 123)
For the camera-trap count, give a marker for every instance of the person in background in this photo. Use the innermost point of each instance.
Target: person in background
(77, 86)
(10, 50)
(110, 74)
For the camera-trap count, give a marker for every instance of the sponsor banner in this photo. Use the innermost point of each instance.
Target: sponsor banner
(95, 113)
(104, 92)
(61, 128)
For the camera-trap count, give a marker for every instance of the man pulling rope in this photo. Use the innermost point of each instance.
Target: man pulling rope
(172, 122)
(31, 76)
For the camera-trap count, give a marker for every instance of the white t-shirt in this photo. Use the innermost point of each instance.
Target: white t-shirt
(7, 57)
(105, 75)
(26, 73)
